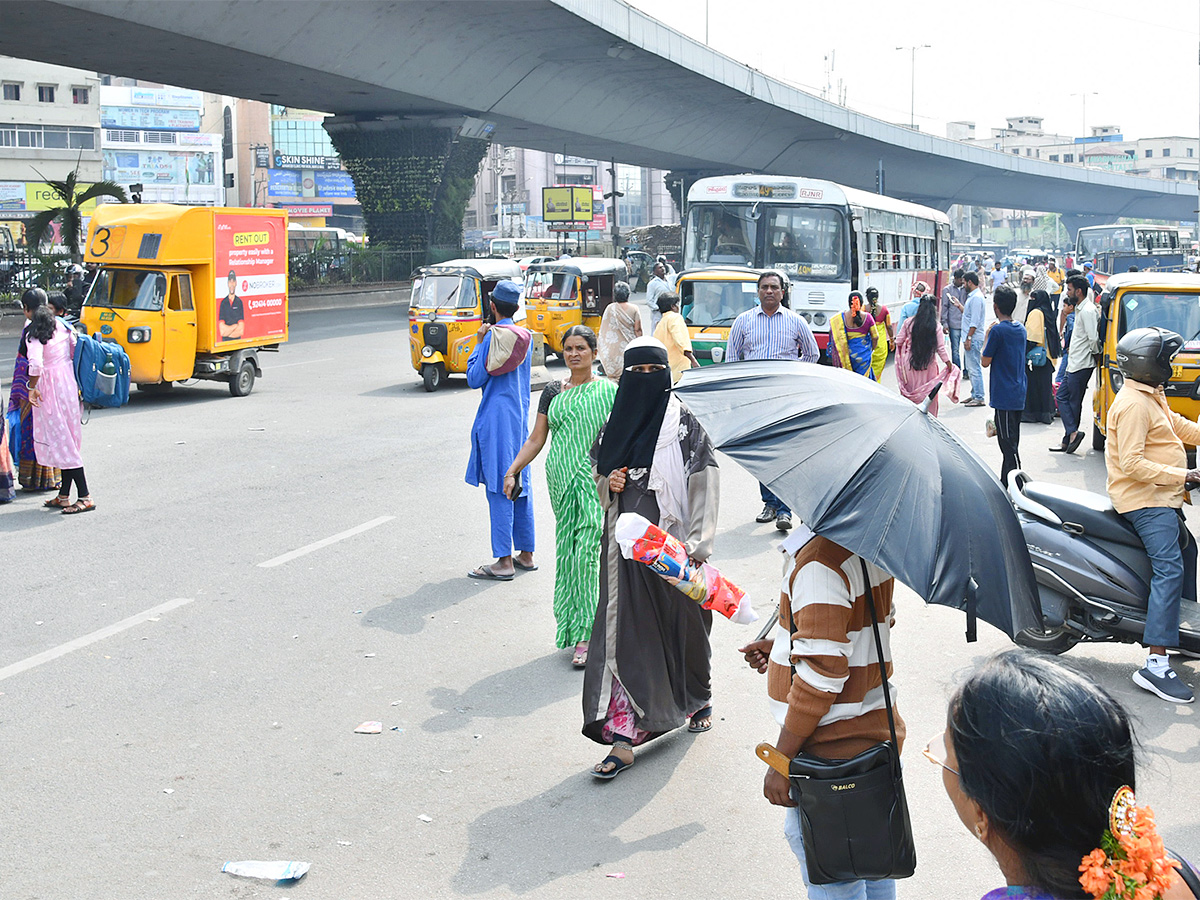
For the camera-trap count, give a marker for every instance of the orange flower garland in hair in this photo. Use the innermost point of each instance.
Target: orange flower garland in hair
(1130, 863)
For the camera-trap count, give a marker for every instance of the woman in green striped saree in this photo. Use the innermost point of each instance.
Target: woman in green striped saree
(572, 411)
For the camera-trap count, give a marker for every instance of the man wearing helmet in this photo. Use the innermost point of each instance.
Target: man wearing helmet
(1147, 470)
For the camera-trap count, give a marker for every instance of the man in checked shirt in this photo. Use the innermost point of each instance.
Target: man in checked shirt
(771, 331)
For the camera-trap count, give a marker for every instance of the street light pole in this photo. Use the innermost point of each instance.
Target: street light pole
(1083, 120)
(912, 80)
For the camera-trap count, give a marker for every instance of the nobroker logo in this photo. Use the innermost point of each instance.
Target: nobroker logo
(258, 284)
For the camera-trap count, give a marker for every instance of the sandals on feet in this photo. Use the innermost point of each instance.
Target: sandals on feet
(57, 502)
(618, 765)
(579, 660)
(486, 573)
(706, 713)
(79, 506)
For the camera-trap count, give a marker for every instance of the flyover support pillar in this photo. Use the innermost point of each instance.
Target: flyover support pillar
(413, 180)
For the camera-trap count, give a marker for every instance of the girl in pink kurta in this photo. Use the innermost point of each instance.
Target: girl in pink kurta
(921, 335)
(57, 433)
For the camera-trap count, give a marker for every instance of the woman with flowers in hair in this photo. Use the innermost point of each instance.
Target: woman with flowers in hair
(1039, 764)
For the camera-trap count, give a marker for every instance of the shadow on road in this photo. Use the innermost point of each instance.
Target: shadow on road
(16, 516)
(519, 691)
(570, 828)
(406, 615)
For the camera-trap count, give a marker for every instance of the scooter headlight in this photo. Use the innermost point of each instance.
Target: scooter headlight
(139, 335)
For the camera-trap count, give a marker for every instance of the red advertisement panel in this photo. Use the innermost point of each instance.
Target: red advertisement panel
(251, 276)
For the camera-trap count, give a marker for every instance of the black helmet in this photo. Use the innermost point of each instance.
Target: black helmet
(1145, 355)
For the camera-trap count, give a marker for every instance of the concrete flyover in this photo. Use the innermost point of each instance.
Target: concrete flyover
(595, 78)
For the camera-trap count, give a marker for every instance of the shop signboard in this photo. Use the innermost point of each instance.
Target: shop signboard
(288, 161)
(334, 184)
(284, 183)
(250, 253)
(40, 196)
(159, 167)
(12, 195)
(307, 212)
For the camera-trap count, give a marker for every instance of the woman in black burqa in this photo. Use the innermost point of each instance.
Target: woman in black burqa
(648, 662)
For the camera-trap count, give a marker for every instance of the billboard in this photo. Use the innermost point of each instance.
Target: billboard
(250, 253)
(334, 184)
(284, 183)
(149, 119)
(159, 167)
(567, 204)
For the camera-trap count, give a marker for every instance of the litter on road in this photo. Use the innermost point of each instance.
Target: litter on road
(274, 871)
(424, 818)
(369, 728)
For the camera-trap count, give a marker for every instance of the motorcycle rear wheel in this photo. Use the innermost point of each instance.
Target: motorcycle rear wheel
(1051, 640)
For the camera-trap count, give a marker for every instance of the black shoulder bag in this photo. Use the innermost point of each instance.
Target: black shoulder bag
(853, 814)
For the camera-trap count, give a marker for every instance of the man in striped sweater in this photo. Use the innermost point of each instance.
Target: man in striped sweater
(832, 705)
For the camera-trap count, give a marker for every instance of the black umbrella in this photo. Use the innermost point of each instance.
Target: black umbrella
(870, 471)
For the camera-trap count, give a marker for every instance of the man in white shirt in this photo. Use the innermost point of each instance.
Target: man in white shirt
(1085, 344)
(658, 285)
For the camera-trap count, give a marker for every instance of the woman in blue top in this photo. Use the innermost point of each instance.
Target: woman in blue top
(1004, 355)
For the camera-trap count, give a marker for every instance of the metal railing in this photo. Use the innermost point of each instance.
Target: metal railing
(331, 267)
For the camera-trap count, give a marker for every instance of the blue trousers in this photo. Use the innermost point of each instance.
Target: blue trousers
(842, 890)
(955, 340)
(1070, 398)
(774, 502)
(975, 368)
(512, 524)
(1173, 570)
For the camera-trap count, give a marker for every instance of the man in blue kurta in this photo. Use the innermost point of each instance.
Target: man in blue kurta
(501, 426)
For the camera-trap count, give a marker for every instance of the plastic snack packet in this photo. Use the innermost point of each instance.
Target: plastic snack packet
(643, 541)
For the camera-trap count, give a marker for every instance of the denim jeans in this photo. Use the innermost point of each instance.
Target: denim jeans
(975, 368)
(1071, 391)
(1173, 570)
(955, 340)
(842, 890)
(772, 501)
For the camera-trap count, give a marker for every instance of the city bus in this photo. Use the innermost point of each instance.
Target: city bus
(519, 248)
(829, 239)
(1112, 249)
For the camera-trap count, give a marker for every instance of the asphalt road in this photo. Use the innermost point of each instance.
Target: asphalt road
(181, 672)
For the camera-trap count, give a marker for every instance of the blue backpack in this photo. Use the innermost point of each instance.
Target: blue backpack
(102, 371)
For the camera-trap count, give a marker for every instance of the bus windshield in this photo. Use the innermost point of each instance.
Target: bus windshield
(128, 289)
(808, 242)
(1104, 240)
(550, 286)
(1177, 312)
(440, 291)
(721, 234)
(706, 303)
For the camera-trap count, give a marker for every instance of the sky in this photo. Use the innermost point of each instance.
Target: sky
(986, 61)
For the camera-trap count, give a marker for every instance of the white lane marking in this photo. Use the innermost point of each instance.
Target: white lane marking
(324, 542)
(63, 649)
(307, 362)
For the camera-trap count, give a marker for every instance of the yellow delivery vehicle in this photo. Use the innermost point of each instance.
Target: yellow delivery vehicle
(568, 292)
(189, 291)
(449, 302)
(1144, 300)
(710, 299)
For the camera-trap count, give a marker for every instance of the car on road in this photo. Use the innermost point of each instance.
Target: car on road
(526, 261)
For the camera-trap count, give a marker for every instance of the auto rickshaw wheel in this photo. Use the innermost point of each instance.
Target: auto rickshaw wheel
(242, 383)
(432, 375)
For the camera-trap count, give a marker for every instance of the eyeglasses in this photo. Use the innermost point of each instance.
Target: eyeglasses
(937, 753)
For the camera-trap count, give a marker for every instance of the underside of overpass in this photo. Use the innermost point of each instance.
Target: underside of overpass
(591, 78)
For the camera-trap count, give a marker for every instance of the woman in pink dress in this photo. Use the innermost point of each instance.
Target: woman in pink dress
(920, 348)
(57, 432)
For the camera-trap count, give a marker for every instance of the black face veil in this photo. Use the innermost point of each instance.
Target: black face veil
(638, 410)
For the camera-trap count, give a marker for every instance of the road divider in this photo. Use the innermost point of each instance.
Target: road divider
(324, 542)
(63, 649)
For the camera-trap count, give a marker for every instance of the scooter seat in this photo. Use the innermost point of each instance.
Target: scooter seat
(1091, 515)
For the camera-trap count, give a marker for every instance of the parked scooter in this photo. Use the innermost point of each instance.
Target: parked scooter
(1092, 571)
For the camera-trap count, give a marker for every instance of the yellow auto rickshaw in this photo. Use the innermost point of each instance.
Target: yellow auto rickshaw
(449, 303)
(710, 299)
(189, 291)
(1143, 300)
(569, 292)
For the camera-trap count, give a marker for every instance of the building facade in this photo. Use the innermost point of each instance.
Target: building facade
(507, 201)
(49, 127)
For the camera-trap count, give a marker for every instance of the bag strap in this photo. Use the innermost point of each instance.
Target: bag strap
(887, 694)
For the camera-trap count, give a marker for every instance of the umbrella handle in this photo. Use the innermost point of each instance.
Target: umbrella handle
(924, 407)
(773, 758)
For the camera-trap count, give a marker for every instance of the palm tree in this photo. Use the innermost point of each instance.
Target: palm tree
(70, 213)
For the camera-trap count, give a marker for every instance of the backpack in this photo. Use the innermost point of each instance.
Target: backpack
(96, 387)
